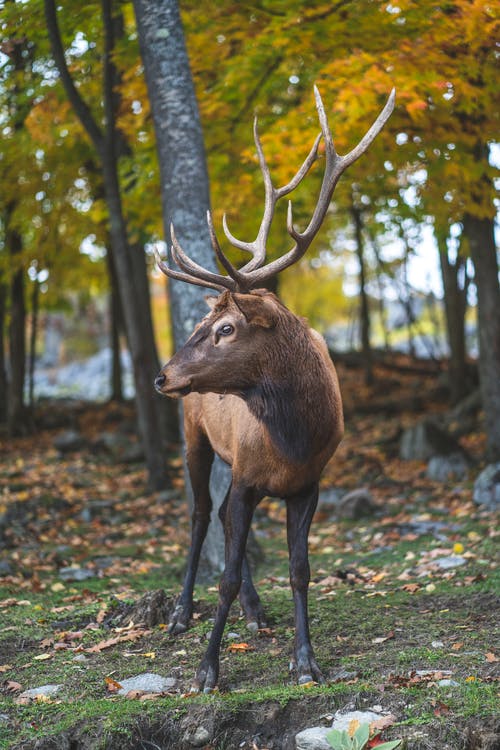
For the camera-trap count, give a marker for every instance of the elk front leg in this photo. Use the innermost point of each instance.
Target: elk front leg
(249, 598)
(300, 510)
(239, 511)
(199, 460)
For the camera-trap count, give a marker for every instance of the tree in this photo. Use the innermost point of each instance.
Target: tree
(128, 260)
(184, 186)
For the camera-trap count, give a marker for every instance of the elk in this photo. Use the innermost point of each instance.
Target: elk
(260, 391)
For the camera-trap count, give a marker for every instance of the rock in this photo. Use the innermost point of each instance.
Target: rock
(487, 487)
(313, 739)
(6, 568)
(4, 718)
(147, 683)
(69, 441)
(200, 737)
(356, 504)
(451, 467)
(342, 720)
(424, 440)
(448, 683)
(76, 574)
(452, 561)
(33, 693)
(329, 499)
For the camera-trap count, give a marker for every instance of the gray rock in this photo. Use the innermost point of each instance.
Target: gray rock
(452, 561)
(6, 568)
(69, 441)
(199, 738)
(487, 487)
(445, 468)
(313, 738)
(4, 719)
(47, 690)
(329, 499)
(356, 504)
(76, 574)
(424, 440)
(448, 683)
(147, 683)
(342, 720)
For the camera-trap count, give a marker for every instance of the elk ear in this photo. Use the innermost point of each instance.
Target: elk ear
(211, 300)
(257, 310)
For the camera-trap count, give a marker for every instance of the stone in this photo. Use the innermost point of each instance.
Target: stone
(329, 499)
(424, 440)
(46, 690)
(76, 574)
(446, 468)
(69, 441)
(199, 738)
(313, 738)
(148, 682)
(448, 683)
(451, 561)
(342, 720)
(356, 504)
(487, 487)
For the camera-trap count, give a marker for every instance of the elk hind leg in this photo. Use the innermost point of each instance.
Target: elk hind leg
(199, 458)
(249, 598)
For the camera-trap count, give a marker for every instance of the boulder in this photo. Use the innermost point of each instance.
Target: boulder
(69, 441)
(148, 682)
(487, 487)
(424, 440)
(454, 466)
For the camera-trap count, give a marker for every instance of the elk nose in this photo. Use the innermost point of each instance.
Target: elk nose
(160, 381)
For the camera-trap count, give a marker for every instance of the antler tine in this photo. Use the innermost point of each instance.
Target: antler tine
(180, 276)
(192, 272)
(334, 167)
(232, 271)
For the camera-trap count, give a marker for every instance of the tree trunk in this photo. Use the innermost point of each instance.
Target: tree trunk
(455, 305)
(138, 328)
(185, 193)
(480, 234)
(35, 307)
(16, 411)
(115, 325)
(364, 310)
(3, 371)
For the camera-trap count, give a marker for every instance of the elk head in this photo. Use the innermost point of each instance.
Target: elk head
(223, 354)
(242, 316)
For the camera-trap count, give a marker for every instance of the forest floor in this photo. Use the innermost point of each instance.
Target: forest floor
(390, 626)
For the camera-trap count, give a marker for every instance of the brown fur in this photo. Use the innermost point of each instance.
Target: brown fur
(260, 391)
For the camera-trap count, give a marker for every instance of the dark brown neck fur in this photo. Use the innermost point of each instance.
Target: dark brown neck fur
(294, 395)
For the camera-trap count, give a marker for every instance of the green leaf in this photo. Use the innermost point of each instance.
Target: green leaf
(389, 745)
(362, 735)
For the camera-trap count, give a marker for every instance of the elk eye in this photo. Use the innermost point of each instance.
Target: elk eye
(225, 330)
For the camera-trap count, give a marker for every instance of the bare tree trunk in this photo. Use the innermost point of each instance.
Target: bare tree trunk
(364, 310)
(35, 307)
(115, 325)
(455, 305)
(16, 411)
(185, 193)
(3, 371)
(480, 234)
(140, 336)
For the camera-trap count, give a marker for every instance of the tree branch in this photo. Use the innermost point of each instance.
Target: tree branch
(81, 108)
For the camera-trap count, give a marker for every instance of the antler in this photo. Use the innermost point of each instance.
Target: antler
(255, 273)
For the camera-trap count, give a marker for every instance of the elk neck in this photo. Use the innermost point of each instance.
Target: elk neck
(293, 397)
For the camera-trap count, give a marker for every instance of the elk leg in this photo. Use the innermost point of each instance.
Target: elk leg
(238, 516)
(199, 461)
(249, 598)
(300, 510)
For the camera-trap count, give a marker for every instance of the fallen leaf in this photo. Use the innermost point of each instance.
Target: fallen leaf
(240, 647)
(112, 685)
(490, 656)
(6, 667)
(42, 657)
(13, 687)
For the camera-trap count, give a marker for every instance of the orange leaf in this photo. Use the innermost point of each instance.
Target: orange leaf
(112, 685)
(240, 647)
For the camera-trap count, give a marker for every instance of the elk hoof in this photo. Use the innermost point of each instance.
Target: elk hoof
(206, 678)
(179, 621)
(308, 670)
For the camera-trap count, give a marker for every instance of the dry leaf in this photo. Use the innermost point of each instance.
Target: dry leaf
(6, 667)
(112, 685)
(240, 647)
